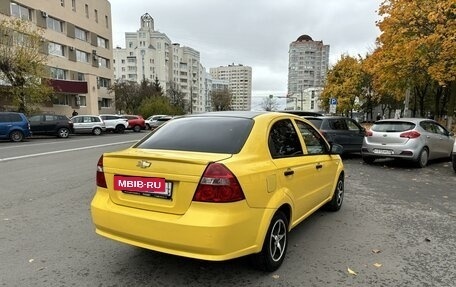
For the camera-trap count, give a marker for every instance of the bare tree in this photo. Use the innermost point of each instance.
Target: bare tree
(221, 100)
(269, 103)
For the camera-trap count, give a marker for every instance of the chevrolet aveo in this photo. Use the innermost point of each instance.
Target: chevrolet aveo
(217, 186)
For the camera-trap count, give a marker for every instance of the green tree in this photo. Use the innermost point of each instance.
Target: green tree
(22, 64)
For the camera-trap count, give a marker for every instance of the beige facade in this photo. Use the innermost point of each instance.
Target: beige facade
(240, 84)
(78, 40)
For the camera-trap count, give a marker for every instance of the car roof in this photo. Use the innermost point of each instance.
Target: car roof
(413, 120)
(234, 114)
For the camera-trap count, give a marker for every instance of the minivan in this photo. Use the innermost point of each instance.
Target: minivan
(14, 126)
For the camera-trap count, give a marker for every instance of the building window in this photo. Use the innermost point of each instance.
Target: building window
(62, 3)
(105, 103)
(102, 42)
(96, 15)
(82, 101)
(21, 12)
(54, 24)
(56, 49)
(82, 56)
(81, 77)
(87, 10)
(80, 34)
(103, 62)
(73, 5)
(107, 21)
(63, 100)
(57, 73)
(103, 82)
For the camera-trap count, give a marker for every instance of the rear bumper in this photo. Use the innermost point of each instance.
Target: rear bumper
(206, 231)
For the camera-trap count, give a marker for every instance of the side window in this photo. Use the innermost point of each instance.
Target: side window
(313, 140)
(338, 124)
(440, 130)
(35, 118)
(283, 140)
(351, 125)
(77, 120)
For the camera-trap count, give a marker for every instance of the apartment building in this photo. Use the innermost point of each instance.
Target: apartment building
(240, 84)
(78, 44)
(150, 54)
(307, 68)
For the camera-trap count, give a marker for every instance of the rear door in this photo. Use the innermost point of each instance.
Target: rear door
(37, 123)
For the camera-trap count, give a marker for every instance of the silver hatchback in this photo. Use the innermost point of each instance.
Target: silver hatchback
(418, 140)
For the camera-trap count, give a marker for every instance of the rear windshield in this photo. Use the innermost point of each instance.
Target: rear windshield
(316, 122)
(200, 134)
(392, 126)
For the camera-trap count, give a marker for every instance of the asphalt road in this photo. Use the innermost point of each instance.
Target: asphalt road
(397, 228)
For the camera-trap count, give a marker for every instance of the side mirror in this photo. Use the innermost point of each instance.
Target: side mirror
(336, 149)
(451, 134)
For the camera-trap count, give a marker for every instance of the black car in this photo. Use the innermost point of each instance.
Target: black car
(341, 130)
(50, 124)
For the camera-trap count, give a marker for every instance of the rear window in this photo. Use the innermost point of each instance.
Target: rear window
(392, 126)
(200, 134)
(316, 122)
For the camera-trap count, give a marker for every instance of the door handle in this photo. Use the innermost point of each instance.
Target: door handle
(288, 172)
(318, 166)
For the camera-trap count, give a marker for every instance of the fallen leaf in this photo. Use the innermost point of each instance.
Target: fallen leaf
(376, 251)
(31, 260)
(351, 272)
(275, 276)
(427, 239)
(378, 265)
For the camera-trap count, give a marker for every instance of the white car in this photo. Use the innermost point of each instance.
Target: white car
(152, 118)
(88, 124)
(115, 123)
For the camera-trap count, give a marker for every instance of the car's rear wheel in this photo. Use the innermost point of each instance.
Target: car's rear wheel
(16, 136)
(275, 244)
(454, 162)
(423, 158)
(338, 197)
(368, 159)
(96, 131)
(137, 129)
(63, 133)
(120, 129)
(148, 126)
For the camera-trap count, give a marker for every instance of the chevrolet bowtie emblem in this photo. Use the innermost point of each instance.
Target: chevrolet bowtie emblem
(143, 164)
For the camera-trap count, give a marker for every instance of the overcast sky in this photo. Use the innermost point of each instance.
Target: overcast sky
(255, 33)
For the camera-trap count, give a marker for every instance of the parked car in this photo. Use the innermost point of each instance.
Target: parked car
(159, 121)
(14, 126)
(415, 139)
(219, 185)
(301, 113)
(342, 130)
(453, 157)
(115, 123)
(151, 118)
(135, 122)
(88, 124)
(50, 124)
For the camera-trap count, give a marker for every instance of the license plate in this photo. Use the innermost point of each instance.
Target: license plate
(383, 151)
(148, 186)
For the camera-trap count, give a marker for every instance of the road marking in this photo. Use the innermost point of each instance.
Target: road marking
(62, 151)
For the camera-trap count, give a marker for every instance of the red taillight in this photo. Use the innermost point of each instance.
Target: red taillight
(218, 184)
(368, 133)
(410, 135)
(101, 180)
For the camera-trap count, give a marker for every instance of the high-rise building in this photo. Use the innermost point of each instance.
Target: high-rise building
(78, 43)
(307, 68)
(150, 54)
(240, 84)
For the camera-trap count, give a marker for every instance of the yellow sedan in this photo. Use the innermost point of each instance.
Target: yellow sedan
(219, 185)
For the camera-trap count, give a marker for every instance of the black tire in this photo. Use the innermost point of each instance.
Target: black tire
(120, 129)
(368, 159)
(137, 129)
(16, 136)
(454, 162)
(275, 244)
(63, 133)
(423, 158)
(96, 131)
(338, 197)
(147, 126)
